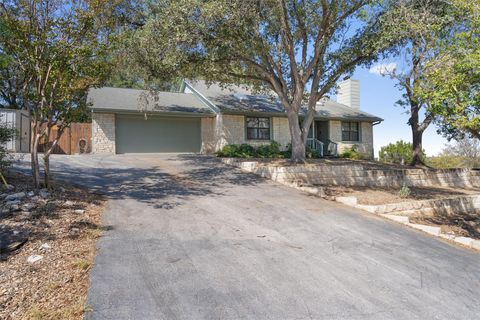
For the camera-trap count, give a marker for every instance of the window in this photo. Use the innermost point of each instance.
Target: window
(258, 128)
(350, 131)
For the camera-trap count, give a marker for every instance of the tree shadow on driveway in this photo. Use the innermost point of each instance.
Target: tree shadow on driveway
(173, 177)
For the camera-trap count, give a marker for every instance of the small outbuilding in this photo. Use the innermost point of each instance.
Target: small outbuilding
(21, 122)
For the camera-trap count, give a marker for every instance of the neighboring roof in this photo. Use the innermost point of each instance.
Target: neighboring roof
(241, 100)
(132, 100)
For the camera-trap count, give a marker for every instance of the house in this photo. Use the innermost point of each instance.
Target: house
(204, 118)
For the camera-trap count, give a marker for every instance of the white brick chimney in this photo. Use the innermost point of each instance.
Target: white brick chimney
(348, 93)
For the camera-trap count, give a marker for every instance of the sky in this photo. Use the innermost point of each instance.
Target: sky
(378, 95)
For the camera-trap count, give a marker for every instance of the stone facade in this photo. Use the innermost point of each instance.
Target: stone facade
(223, 129)
(103, 133)
(230, 129)
(364, 146)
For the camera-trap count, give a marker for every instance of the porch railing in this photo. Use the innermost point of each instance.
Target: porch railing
(316, 145)
(332, 148)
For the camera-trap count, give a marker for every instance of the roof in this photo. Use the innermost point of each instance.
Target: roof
(236, 99)
(241, 100)
(207, 99)
(329, 109)
(132, 100)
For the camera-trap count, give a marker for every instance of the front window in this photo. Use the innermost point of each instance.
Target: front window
(258, 128)
(350, 131)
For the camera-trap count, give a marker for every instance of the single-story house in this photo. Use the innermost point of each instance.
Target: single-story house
(204, 118)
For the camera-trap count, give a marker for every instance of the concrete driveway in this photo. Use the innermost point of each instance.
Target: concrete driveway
(190, 238)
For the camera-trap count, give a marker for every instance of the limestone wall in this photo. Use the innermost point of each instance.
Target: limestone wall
(364, 146)
(358, 176)
(103, 133)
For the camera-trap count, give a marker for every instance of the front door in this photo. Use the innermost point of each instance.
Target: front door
(321, 133)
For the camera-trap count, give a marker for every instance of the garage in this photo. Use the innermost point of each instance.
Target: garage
(135, 134)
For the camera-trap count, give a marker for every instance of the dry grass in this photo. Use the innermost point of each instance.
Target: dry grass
(56, 286)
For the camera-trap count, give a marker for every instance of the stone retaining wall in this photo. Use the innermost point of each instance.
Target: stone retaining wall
(357, 176)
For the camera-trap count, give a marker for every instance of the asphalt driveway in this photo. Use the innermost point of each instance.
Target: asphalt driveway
(190, 238)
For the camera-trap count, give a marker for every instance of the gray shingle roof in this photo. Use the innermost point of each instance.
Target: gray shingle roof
(236, 99)
(131, 100)
(233, 100)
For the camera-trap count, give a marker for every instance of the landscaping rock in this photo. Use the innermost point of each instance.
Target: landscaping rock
(69, 203)
(476, 244)
(12, 202)
(349, 201)
(28, 206)
(436, 231)
(34, 258)
(45, 246)
(11, 241)
(16, 196)
(44, 193)
(464, 240)
(401, 219)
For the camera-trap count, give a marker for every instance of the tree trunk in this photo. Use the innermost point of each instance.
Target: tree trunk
(298, 143)
(46, 157)
(34, 154)
(417, 148)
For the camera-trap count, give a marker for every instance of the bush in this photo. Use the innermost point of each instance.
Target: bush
(237, 151)
(405, 191)
(399, 152)
(271, 150)
(6, 134)
(351, 153)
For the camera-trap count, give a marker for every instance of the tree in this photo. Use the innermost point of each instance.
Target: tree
(463, 153)
(296, 49)
(62, 48)
(400, 152)
(455, 75)
(421, 24)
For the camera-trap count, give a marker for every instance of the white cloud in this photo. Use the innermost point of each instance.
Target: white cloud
(382, 69)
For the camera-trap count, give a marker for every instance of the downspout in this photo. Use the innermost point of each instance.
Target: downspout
(374, 124)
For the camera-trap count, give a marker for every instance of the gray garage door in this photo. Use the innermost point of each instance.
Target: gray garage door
(134, 134)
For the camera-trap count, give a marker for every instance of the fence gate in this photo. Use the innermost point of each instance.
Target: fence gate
(75, 139)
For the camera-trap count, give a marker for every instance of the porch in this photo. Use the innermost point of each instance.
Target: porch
(319, 139)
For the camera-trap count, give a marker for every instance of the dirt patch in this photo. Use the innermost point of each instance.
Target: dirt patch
(465, 224)
(379, 196)
(62, 227)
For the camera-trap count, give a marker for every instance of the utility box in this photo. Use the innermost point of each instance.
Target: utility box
(21, 122)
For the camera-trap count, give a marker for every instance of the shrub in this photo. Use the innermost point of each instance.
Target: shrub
(271, 150)
(399, 152)
(351, 153)
(405, 191)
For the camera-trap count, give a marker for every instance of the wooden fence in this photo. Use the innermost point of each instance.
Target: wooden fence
(75, 139)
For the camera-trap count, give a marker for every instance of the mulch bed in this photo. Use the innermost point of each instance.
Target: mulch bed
(61, 228)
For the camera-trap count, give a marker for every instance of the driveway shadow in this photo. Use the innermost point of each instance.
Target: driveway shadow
(181, 178)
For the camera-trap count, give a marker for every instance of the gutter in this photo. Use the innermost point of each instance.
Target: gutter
(150, 113)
